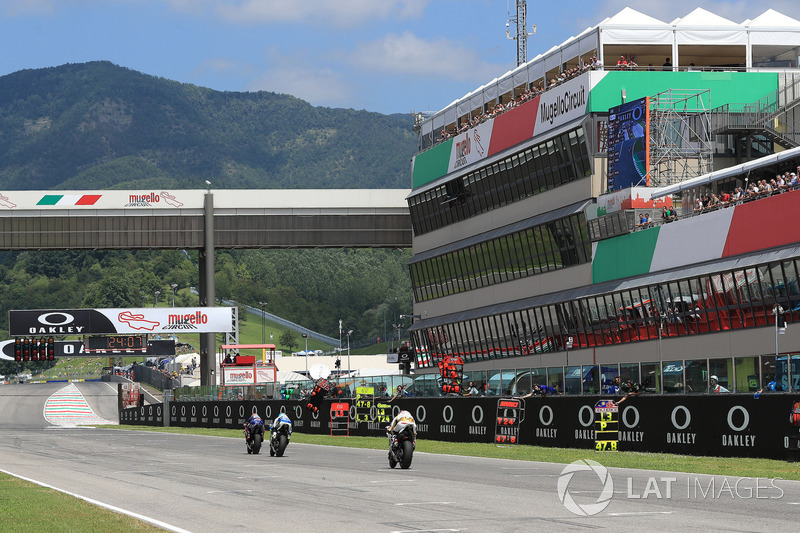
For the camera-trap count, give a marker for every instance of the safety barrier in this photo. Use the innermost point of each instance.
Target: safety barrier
(729, 425)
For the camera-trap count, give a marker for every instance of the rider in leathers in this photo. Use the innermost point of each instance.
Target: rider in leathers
(252, 422)
(280, 420)
(400, 422)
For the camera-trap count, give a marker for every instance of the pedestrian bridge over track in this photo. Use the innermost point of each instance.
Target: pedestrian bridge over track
(241, 218)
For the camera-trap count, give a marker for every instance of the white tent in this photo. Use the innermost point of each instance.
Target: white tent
(700, 34)
(288, 375)
(186, 358)
(371, 372)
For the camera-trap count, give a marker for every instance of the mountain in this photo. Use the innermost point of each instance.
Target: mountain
(101, 126)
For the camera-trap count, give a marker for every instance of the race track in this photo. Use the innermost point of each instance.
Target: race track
(198, 484)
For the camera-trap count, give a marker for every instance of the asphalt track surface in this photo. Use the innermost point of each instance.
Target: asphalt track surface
(198, 484)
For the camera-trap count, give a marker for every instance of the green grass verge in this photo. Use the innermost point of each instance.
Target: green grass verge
(25, 506)
(724, 466)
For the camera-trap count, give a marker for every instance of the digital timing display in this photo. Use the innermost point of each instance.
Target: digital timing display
(116, 342)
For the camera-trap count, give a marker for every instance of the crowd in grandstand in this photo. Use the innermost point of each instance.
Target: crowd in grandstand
(753, 190)
(530, 93)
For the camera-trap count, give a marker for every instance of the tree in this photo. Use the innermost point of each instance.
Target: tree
(288, 339)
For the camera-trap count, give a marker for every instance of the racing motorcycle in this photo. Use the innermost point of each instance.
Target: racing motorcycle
(279, 439)
(253, 436)
(401, 447)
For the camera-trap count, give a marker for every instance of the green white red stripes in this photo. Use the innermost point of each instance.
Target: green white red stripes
(69, 199)
(68, 407)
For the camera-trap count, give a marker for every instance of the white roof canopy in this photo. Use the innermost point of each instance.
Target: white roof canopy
(725, 173)
(774, 33)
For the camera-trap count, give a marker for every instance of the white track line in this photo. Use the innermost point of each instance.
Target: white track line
(157, 523)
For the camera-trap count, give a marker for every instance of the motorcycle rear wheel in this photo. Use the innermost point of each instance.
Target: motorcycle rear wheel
(408, 452)
(256, 443)
(283, 442)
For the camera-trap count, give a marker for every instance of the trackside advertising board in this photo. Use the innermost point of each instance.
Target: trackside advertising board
(131, 321)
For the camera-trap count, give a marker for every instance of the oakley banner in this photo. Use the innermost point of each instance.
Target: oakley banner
(141, 320)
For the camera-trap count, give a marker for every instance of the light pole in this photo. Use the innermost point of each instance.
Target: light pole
(340, 337)
(305, 336)
(396, 330)
(411, 338)
(155, 302)
(660, 358)
(348, 351)
(174, 287)
(263, 323)
(780, 328)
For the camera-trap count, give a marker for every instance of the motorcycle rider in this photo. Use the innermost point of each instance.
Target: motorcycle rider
(252, 423)
(280, 420)
(400, 422)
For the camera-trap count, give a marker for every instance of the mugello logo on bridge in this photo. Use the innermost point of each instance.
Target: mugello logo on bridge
(109, 321)
(188, 321)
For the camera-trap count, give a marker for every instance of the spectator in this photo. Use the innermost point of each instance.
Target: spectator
(715, 387)
(630, 389)
(622, 64)
(667, 65)
(769, 387)
(227, 360)
(472, 390)
(616, 386)
(399, 393)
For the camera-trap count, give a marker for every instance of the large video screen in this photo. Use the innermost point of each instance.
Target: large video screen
(629, 145)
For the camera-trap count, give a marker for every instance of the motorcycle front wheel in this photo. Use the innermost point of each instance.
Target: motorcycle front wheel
(408, 452)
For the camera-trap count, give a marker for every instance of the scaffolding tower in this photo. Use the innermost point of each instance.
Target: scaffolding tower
(680, 136)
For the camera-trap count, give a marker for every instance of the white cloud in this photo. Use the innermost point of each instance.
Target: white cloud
(319, 87)
(341, 13)
(220, 65)
(406, 53)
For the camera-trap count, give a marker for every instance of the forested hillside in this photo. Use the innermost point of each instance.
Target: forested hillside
(314, 288)
(100, 126)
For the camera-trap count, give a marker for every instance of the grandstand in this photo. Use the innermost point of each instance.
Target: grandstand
(529, 192)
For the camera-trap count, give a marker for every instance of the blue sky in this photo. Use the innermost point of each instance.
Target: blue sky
(388, 56)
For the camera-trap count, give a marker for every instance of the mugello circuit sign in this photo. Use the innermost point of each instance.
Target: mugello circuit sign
(132, 321)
